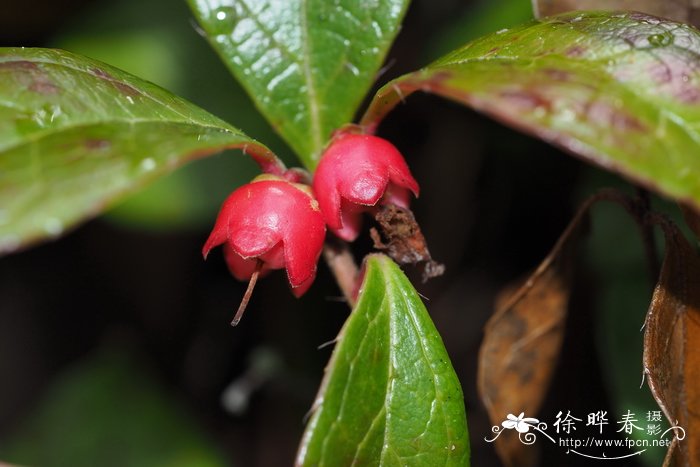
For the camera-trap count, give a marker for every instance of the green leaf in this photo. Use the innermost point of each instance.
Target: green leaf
(76, 135)
(621, 90)
(685, 11)
(390, 395)
(306, 63)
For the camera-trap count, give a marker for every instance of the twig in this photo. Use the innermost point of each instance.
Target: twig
(342, 265)
(647, 232)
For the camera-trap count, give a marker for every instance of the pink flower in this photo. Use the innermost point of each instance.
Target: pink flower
(356, 172)
(270, 224)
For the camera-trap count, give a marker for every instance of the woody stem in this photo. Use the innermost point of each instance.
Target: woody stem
(342, 265)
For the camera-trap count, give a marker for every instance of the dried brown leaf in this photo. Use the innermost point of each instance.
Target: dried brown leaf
(405, 242)
(672, 345)
(686, 11)
(523, 340)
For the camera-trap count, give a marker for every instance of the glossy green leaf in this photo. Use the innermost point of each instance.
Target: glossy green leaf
(76, 135)
(306, 63)
(390, 395)
(621, 90)
(685, 11)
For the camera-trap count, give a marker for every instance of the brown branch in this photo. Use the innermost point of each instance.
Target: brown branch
(647, 232)
(342, 265)
(640, 209)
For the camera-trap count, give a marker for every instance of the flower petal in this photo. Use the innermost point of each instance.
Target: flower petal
(359, 169)
(522, 427)
(303, 243)
(509, 424)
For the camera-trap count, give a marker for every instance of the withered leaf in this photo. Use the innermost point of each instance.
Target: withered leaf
(405, 241)
(686, 11)
(672, 345)
(523, 339)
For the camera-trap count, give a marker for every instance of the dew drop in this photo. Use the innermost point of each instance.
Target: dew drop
(353, 69)
(46, 115)
(377, 29)
(56, 112)
(148, 164)
(568, 115)
(53, 226)
(224, 20)
(660, 40)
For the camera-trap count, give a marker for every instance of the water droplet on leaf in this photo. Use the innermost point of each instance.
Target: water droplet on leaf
(148, 164)
(53, 226)
(223, 20)
(353, 69)
(660, 40)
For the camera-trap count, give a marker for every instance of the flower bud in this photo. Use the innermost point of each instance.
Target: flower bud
(356, 172)
(270, 224)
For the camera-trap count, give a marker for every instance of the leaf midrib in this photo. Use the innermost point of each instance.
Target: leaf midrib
(39, 135)
(416, 328)
(314, 110)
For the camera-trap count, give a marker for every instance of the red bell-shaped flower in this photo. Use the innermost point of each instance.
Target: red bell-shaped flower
(355, 173)
(270, 224)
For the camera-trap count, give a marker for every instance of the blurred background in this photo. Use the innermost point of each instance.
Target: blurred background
(115, 347)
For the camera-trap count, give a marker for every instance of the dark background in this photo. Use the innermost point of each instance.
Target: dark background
(115, 347)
